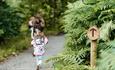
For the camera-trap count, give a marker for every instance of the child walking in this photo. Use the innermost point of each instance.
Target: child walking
(38, 44)
(39, 40)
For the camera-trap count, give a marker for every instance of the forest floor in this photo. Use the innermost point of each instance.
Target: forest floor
(25, 60)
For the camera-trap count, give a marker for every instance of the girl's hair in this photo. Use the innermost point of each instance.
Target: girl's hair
(38, 23)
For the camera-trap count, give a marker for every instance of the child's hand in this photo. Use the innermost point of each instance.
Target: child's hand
(46, 40)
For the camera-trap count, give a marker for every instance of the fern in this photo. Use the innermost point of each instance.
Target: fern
(75, 67)
(78, 18)
(107, 58)
(71, 58)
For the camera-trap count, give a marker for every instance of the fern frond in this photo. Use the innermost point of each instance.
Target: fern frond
(72, 57)
(107, 60)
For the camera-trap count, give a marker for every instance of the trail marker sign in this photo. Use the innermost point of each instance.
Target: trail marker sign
(93, 33)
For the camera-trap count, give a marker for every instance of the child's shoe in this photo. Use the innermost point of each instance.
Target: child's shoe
(37, 68)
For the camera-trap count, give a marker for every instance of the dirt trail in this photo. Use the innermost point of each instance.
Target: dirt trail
(25, 61)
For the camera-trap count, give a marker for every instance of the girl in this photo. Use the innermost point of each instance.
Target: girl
(36, 24)
(38, 44)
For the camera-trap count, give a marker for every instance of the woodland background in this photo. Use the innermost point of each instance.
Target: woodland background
(72, 17)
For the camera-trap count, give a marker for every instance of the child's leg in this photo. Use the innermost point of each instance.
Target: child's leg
(38, 61)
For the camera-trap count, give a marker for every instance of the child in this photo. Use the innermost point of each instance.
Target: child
(38, 44)
(36, 24)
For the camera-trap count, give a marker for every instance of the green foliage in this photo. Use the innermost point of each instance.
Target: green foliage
(71, 67)
(16, 12)
(10, 21)
(14, 46)
(70, 60)
(106, 31)
(107, 58)
(78, 18)
(70, 57)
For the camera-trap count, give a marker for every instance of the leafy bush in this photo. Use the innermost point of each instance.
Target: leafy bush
(10, 21)
(107, 58)
(78, 18)
(14, 46)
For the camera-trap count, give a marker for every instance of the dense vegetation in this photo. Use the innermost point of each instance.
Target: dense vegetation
(15, 15)
(10, 21)
(75, 18)
(81, 15)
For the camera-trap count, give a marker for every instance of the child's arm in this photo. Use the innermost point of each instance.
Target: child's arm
(45, 40)
(32, 33)
(32, 43)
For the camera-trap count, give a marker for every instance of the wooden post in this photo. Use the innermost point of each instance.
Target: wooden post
(93, 54)
(93, 34)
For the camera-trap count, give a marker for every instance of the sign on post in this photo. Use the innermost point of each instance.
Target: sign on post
(93, 34)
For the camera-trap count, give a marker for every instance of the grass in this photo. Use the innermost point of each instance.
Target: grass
(52, 31)
(14, 46)
(20, 43)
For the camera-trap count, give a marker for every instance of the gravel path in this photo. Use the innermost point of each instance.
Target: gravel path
(25, 61)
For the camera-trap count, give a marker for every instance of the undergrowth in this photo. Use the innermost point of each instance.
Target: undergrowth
(14, 46)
